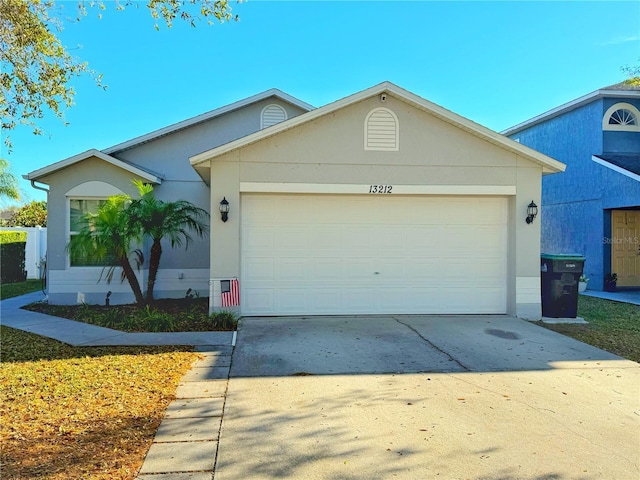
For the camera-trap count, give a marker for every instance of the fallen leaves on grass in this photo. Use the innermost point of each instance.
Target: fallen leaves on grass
(82, 412)
(613, 326)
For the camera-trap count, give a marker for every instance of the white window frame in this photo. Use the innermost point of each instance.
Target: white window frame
(621, 128)
(91, 190)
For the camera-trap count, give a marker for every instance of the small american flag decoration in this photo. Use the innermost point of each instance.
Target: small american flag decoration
(230, 292)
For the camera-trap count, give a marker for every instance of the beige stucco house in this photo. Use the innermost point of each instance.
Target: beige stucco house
(381, 202)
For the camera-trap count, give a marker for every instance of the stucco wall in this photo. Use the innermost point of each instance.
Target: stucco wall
(573, 214)
(330, 150)
(167, 156)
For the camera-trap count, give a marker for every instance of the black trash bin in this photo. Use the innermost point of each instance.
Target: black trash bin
(559, 279)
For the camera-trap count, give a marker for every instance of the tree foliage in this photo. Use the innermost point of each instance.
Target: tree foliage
(107, 234)
(123, 222)
(157, 220)
(36, 68)
(33, 214)
(633, 74)
(8, 181)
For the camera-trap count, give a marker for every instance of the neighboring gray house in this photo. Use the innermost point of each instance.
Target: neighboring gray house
(592, 209)
(379, 202)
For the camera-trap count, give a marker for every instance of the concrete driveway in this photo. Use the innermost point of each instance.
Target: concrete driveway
(407, 397)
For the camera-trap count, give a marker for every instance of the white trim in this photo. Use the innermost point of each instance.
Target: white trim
(616, 168)
(54, 167)
(528, 290)
(363, 189)
(621, 128)
(549, 165)
(274, 92)
(578, 102)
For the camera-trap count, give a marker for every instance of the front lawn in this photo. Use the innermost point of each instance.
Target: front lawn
(613, 326)
(10, 290)
(71, 412)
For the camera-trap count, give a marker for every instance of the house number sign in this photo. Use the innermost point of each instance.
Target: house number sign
(380, 188)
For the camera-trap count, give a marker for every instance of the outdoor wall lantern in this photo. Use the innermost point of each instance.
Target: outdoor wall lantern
(532, 211)
(224, 209)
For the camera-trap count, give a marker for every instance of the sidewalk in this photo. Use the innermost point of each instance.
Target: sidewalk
(186, 443)
(625, 296)
(79, 334)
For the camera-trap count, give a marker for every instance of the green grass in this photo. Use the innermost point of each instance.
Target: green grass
(9, 290)
(79, 412)
(613, 326)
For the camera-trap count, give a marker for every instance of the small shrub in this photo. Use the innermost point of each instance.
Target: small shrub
(155, 320)
(224, 320)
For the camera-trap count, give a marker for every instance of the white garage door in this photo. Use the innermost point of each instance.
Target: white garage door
(352, 254)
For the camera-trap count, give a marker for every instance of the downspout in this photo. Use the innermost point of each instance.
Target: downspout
(33, 185)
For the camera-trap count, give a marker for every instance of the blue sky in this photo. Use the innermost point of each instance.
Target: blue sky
(496, 63)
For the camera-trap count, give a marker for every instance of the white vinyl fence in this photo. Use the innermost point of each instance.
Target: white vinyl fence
(36, 249)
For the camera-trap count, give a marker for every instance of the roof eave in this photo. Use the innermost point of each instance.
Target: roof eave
(40, 174)
(273, 92)
(549, 165)
(566, 107)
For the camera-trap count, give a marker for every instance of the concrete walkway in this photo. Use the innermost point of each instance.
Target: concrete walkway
(624, 296)
(186, 443)
(79, 334)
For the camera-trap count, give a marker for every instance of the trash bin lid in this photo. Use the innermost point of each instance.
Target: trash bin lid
(562, 256)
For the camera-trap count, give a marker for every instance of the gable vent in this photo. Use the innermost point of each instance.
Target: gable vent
(381, 130)
(272, 114)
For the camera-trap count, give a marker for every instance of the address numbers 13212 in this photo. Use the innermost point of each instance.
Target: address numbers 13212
(380, 188)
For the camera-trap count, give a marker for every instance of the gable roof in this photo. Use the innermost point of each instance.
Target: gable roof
(548, 164)
(145, 174)
(274, 92)
(625, 163)
(619, 90)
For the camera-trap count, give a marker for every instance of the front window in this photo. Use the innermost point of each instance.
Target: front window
(78, 210)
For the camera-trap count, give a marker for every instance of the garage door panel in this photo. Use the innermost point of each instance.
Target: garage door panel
(392, 299)
(357, 238)
(259, 238)
(290, 269)
(291, 237)
(392, 269)
(359, 269)
(320, 254)
(259, 269)
(326, 269)
(358, 300)
(327, 238)
(325, 300)
(256, 301)
(291, 300)
(422, 269)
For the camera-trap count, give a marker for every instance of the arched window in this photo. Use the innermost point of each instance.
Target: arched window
(272, 114)
(622, 117)
(381, 130)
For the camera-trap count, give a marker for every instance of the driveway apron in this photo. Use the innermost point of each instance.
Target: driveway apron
(409, 397)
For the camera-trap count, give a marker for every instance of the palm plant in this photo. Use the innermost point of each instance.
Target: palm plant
(106, 235)
(157, 219)
(8, 182)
